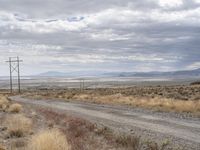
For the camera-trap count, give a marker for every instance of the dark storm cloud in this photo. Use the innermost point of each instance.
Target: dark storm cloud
(141, 35)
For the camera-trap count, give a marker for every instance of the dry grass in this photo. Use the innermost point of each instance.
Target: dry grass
(18, 144)
(2, 147)
(15, 108)
(161, 98)
(85, 135)
(4, 103)
(157, 103)
(49, 140)
(168, 104)
(128, 141)
(18, 125)
(78, 131)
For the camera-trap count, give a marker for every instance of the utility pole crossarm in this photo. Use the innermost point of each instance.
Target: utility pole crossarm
(15, 61)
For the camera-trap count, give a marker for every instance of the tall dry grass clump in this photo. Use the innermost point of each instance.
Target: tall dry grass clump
(2, 147)
(18, 125)
(49, 140)
(4, 103)
(167, 104)
(15, 108)
(157, 103)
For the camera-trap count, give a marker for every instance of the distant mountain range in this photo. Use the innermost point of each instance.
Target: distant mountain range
(184, 73)
(174, 74)
(71, 74)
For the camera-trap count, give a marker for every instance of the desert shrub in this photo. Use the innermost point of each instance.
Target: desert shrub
(19, 143)
(2, 147)
(152, 146)
(49, 140)
(107, 132)
(18, 125)
(15, 108)
(195, 83)
(4, 103)
(128, 141)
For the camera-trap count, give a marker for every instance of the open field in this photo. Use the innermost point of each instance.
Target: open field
(92, 82)
(180, 98)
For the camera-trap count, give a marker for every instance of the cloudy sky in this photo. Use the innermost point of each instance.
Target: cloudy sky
(96, 35)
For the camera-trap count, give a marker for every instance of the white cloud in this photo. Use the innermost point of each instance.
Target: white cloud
(197, 1)
(109, 35)
(194, 65)
(38, 26)
(115, 17)
(170, 3)
(26, 50)
(125, 17)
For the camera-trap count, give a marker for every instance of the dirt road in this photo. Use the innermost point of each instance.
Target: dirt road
(147, 124)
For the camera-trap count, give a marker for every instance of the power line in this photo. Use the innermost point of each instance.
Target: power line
(14, 65)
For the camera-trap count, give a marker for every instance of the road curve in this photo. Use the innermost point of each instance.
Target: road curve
(126, 119)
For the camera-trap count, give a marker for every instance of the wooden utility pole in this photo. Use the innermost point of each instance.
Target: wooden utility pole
(10, 65)
(14, 65)
(18, 70)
